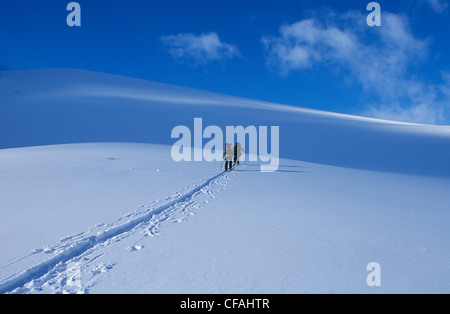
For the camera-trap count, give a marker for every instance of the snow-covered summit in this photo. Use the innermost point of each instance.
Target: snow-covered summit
(42, 107)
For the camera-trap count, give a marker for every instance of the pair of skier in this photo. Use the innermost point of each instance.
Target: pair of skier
(232, 153)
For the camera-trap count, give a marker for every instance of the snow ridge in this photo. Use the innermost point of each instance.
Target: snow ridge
(75, 246)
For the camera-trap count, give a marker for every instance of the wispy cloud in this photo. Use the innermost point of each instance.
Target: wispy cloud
(311, 42)
(421, 113)
(199, 49)
(438, 5)
(379, 59)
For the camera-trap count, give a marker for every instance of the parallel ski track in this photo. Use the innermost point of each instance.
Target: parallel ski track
(83, 245)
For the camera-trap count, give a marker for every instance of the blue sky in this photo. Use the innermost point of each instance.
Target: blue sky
(315, 54)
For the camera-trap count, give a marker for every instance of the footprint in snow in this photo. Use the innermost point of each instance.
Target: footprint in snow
(136, 248)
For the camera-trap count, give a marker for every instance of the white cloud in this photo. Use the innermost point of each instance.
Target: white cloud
(428, 103)
(421, 113)
(445, 88)
(438, 5)
(380, 59)
(303, 44)
(199, 49)
(310, 43)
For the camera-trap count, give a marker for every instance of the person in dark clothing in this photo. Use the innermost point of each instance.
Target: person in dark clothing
(237, 153)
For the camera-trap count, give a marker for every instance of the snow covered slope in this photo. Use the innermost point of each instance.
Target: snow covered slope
(42, 107)
(124, 217)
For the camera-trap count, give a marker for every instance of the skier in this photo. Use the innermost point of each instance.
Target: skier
(237, 153)
(228, 155)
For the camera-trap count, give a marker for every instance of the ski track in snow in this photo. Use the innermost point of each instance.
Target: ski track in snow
(78, 253)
